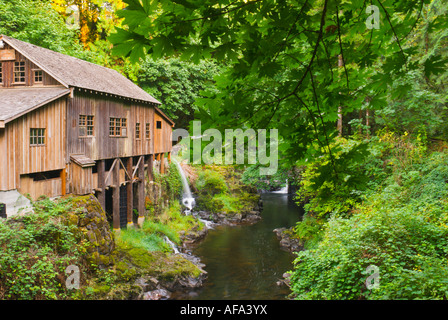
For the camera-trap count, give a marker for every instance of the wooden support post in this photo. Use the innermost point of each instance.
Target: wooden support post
(130, 196)
(116, 198)
(150, 163)
(141, 193)
(162, 163)
(101, 184)
(64, 182)
(169, 157)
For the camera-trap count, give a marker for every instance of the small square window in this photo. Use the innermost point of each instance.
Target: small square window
(1, 72)
(38, 76)
(159, 124)
(37, 137)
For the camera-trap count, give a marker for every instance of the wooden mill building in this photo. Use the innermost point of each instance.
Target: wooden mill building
(70, 126)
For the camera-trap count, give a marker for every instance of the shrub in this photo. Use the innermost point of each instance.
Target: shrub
(402, 229)
(211, 182)
(35, 251)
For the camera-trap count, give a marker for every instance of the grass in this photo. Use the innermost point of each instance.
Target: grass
(170, 223)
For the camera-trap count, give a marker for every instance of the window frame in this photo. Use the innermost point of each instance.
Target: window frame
(118, 127)
(1, 72)
(137, 131)
(87, 123)
(15, 72)
(35, 135)
(41, 76)
(148, 131)
(159, 124)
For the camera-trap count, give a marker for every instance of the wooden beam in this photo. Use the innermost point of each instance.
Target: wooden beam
(127, 170)
(130, 195)
(136, 167)
(116, 197)
(102, 184)
(112, 168)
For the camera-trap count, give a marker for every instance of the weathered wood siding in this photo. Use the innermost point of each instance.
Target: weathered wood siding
(50, 187)
(17, 157)
(162, 136)
(81, 179)
(101, 145)
(8, 72)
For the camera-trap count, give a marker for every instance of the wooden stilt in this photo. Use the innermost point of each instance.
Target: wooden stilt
(141, 193)
(116, 197)
(64, 182)
(130, 196)
(101, 184)
(150, 162)
(162, 163)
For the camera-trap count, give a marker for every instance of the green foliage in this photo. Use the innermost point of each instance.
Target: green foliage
(211, 182)
(151, 237)
(251, 176)
(35, 251)
(402, 229)
(36, 22)
(220, 190)
(176, 84)
(170, 182)
(282, 59)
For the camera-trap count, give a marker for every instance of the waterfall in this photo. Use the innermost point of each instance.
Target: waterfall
(172, 245)
(284, 189)
(187, 197)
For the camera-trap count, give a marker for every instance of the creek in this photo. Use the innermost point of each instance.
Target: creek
(244, 262)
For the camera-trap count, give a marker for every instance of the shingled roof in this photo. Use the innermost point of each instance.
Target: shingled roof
(74, 72)
(16, 102)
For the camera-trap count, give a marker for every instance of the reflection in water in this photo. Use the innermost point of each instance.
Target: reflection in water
(245, 262)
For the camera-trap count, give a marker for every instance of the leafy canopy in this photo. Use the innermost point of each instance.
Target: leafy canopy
(283, 57)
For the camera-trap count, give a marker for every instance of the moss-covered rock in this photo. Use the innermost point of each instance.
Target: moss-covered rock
(91, 220)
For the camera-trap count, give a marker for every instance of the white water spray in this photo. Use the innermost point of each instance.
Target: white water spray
(187, 197)
(284, 189)
(172, 245)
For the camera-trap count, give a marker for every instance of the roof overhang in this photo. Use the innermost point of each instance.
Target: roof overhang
(18, 102)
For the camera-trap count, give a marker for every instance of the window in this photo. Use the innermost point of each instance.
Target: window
(37, 137)
(118, 127)
(85, 125)
(38, 76)
(148, 131)
(159, 124)
(1, 72)
(137, 130)
(19, 72)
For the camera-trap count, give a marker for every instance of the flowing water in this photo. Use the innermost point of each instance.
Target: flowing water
(246, 261)
(187, 197)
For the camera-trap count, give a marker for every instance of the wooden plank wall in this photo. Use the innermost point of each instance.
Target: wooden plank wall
(8, 73)
(101, 145)
(162, 137)
(82, 180)
(21, 158)
(35, 189)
